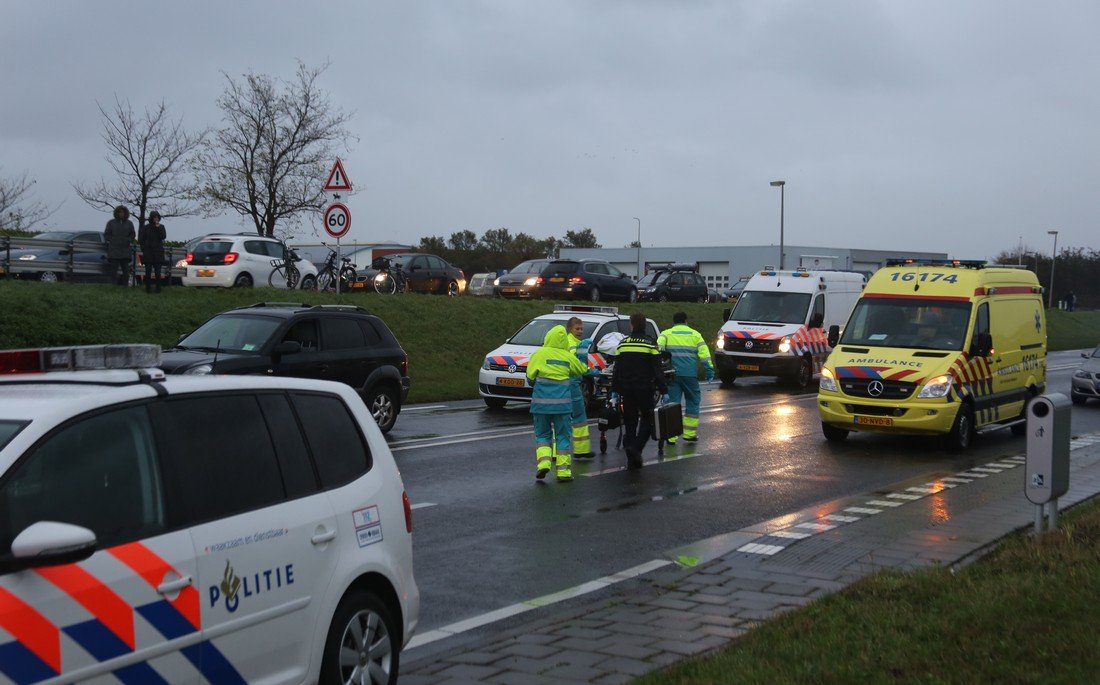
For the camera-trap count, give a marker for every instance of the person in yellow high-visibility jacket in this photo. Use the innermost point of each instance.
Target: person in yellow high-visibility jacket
(686, 347)
(582, 445)
(549, 371)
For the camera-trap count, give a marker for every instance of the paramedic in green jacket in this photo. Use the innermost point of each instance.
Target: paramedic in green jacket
(686, 347)
(582, 445)
(550, 370)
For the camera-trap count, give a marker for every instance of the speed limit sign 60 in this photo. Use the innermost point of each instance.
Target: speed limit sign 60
(337, 219)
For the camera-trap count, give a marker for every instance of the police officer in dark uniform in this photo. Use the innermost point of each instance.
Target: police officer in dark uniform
(636, 374)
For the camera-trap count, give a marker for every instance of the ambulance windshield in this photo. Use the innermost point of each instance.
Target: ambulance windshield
(771, 307)
(915, 324)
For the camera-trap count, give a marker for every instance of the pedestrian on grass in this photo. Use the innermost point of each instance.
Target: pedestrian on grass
(151, 240)
(119, 236)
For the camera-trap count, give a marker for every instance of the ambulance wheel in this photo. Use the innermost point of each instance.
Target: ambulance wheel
(363, 643)
(494, 402)
(802, 377)
(834, 434)
(962, 431)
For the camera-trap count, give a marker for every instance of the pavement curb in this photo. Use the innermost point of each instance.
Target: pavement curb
(674, 612)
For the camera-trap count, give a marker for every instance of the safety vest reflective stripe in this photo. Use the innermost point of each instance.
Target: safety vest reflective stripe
(551, 400)
(552, 381)
(643, 347)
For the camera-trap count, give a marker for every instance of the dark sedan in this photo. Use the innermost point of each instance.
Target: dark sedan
(426, 273)
(84, 251)
(520, 281)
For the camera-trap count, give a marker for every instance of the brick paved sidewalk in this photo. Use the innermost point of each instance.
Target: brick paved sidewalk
(677, 612)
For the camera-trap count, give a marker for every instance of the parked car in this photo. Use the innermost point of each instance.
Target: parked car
(426, 273)
(1086, 379)
(85, 249)
(584, 279)
(258, 524)
(331, 342)
(733, 293)
(242, 261)
(481, 285)
(520, 282)
(677, 282)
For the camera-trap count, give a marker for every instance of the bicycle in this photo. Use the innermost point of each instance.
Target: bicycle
(391, 278)
(326, 279)
(284, 273)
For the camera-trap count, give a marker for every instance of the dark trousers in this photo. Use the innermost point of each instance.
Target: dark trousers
(120, 270)
(637, 418)
(152, 274)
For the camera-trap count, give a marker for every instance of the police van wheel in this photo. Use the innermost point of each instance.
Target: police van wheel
(494, 402)
(363, 643)
(727, 377)
(962, 431)
(834, 434)
(805, 373)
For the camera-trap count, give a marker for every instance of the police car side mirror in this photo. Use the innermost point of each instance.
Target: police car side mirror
(834, 335)
(982, 345)
(48, 543)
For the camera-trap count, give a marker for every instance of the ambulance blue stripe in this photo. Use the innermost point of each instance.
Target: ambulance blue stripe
(213, 665)
(166, 619)
(21, 665)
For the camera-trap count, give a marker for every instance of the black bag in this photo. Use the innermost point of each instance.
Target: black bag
(609, 419)
(668, 421)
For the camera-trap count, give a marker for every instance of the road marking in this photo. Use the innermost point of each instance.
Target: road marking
(757, 548)
(424, 505)
(839, 518)
(953, 479)
(863, 510)
(902, 495)
(884, 503)
(790, 534)
(536, 603)
(423, 407)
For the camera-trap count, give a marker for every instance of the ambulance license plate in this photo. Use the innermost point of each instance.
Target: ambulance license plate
(204, 273)
(873, 420)
(514, 382)
(748, 367)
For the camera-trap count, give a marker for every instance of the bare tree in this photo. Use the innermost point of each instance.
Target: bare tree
(149, 155)
(19, 209)
(269, 159)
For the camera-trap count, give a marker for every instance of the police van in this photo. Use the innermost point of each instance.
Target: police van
(937, 347)
(227, 529)
(503, 374)
(778, 326)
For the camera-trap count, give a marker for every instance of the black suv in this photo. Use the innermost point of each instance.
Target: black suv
(327, 342)
(589, 279)
(674, 282)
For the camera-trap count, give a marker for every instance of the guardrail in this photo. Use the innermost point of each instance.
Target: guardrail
(92, 267)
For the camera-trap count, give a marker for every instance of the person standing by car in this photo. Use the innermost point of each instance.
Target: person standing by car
(550, 371)
(582, 446)
(636, 374)
(151, 240)
(119, 235)
(685, 345)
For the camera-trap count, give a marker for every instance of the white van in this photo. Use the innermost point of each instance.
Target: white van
(778, 326)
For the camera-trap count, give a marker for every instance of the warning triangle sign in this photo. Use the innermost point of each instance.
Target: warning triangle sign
(338, 178)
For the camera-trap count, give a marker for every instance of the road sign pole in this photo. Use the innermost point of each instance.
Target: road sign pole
(339, 267)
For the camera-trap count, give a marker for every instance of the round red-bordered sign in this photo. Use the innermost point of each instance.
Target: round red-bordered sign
(337, 219)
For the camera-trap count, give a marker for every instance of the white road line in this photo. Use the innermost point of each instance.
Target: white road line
(986, 469)
(816, 527)
(422, 408)
(974, 474)
(536, 603)
(424, 505)
(884, 503)
(839, 518)
(488, 431)
(863, 510)
(757, 548)
(902, 495)
(456, 442)
(953, 479)
(793, 535)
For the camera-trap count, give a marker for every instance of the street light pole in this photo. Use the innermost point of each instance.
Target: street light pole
(782, 185)
(1053, 258)
(639, 246)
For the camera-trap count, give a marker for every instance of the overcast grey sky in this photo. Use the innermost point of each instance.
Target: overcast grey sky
(934, 125)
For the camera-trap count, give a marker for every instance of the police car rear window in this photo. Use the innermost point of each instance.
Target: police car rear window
(8, 430)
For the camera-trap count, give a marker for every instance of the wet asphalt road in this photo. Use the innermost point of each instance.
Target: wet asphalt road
(487, 535)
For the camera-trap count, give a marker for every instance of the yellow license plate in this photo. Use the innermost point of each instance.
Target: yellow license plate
(873, 420)
(748, 367)
(514, 382)
(557, 279)
(508, 290)
(204, 273)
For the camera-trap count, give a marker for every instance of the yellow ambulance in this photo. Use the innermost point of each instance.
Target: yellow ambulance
(935, 347)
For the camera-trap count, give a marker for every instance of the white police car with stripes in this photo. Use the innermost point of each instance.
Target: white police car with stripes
(189, 529)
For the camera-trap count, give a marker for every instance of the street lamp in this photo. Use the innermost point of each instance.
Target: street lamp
(782, 187)
(1053, 258)
(639, 246)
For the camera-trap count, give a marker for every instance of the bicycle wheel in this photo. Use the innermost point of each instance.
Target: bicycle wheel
(325, 281)
(293, 276)
(277, 279)
(347, 277)
(385, 286)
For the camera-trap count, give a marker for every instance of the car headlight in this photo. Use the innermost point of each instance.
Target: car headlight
(720, 343)
(485, 364)
(828, 380)
(936, 387)
(785, 345)
(531, 281)
(379, 277)
(200, 370)
(1081, 374)
(496, 281)
(28, 257)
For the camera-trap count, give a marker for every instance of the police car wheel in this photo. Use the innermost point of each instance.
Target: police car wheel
(962, 431)
(494, 402)
(382, 404)
(363, 643)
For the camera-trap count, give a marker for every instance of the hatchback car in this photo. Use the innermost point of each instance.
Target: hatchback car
(584, 279)
(425, 273)
(85, 251)
(1086, 380)
(520, 282)
(330, 342)
(243, 261)
(677, 284)
(178, 529)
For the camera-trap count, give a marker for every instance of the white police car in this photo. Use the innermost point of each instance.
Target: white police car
(503, 374)
(231, 529)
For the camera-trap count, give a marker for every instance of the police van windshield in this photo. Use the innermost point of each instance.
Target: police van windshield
(534, 332)
(231, 333)
(914, 324)
(771, 307)
(8, 430)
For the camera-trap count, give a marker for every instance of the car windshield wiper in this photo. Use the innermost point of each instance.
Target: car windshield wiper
(200, 348)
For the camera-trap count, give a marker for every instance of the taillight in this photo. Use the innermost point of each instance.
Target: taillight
(539, 280)
(405, 366)
(576, 279)
(229, 257)
(190, 258)
(461, 275)
(408, 512)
